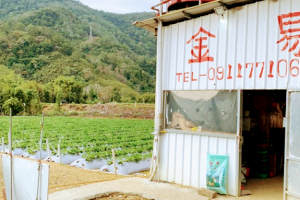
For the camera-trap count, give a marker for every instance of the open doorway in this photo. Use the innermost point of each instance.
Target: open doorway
(263, 142)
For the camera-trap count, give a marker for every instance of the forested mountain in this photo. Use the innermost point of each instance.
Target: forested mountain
(64, 48)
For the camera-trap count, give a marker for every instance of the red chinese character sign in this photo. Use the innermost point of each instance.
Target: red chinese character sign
(203, 53)
(289, 25)
(200, 56)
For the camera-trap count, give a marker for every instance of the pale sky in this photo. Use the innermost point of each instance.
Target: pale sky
(121, 6)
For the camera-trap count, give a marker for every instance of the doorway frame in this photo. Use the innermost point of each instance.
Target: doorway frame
(286, 149)
(241, 140)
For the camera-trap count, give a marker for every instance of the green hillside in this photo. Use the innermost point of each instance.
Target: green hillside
(63, 49)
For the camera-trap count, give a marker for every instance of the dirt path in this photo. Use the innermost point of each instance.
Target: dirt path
(65, 177)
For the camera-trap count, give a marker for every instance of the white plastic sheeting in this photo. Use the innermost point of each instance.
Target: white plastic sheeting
(256, 48)
(82, 163)
(78, 161)
(25, 179)
(65, 159)
(183, 157)
(128, 168)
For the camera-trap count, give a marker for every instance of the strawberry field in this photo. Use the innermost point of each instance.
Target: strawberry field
(92, 139)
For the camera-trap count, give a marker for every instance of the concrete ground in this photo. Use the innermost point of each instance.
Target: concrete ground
(151, 190)
(268, 189)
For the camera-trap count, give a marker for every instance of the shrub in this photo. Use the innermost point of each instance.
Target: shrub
(14, 104)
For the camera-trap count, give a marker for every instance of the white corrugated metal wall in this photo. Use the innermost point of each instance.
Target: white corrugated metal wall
(249, 51)
(246, 43)
(183, 158)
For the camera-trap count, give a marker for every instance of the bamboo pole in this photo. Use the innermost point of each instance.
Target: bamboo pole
(114, 161)
(40, 163)
(48, 150)
(41, 139)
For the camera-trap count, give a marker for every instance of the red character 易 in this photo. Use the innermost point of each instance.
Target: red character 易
(200, 57)
(289, 25)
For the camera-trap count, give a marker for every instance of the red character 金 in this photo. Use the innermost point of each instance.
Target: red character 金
(289, 25)
(200, 57)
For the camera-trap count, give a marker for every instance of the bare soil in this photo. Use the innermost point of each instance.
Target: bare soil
(140, 111)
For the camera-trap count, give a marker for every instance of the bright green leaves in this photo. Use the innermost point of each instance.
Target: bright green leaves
(91, 138)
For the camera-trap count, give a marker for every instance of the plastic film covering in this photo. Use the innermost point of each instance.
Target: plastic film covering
(27, 182)
(203, 111)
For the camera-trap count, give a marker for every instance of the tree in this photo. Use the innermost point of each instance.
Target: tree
(58, 100)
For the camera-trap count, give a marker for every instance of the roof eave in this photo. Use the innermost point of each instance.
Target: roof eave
(188, 13)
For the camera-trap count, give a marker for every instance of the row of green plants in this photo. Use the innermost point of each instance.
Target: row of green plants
(91, 138)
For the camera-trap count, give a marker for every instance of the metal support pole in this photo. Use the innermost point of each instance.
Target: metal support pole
(158, 102)
(10, 153)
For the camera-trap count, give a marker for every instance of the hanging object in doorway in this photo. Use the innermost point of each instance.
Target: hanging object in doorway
(216, 175)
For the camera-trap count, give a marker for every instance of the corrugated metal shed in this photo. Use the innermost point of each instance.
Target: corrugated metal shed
(254, 46)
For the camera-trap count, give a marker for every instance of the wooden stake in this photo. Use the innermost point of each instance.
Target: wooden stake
(114, 161)
(208, 193)
(48, 150)
(41, 139)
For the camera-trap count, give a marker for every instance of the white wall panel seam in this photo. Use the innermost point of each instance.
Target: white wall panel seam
(267, 47)
(288, 109)
(226, 47)
(177, 49)
(177, 52)
(277, 52)
(199, 161)
(192, 66)
(208, 44)
(217, 53)
(165, 66)
(234, 80)
(255, 44)
(184, 53)
(175, 154)
(169, 50)
(183, 149)
(289, 57)
(226, 145)
(217, 143)
(191, 161)
(246, 43)
(168, 154)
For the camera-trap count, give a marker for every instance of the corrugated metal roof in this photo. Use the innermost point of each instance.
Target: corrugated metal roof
(186, 13)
